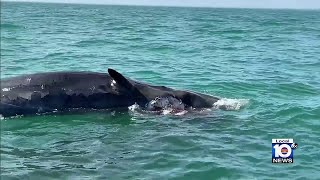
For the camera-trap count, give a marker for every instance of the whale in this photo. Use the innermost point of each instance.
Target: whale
(68, 90)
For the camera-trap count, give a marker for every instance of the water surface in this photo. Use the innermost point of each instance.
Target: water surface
(268, 57)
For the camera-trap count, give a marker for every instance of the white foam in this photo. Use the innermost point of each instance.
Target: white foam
(230, 104)
(165, 111)
(6, 89)
(134, 107)
(181, 113)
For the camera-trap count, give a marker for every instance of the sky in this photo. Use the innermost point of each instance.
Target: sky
(291, 4)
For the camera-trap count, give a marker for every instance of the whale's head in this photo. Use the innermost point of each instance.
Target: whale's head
(154, 97)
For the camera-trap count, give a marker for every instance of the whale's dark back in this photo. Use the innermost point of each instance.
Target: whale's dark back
(57, 78)
(44, 92)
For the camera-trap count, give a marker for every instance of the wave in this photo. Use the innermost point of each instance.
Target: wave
(10, 26)
(296, 88)
(53, 54)
(92, 42)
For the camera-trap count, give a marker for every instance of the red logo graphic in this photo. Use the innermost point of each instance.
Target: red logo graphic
(284, 150)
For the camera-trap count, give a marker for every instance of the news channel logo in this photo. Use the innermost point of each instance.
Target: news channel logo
(282, 150)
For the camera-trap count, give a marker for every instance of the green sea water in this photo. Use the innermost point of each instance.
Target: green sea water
(264, 61)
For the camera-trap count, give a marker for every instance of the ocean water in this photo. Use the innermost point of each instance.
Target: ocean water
(264, 63)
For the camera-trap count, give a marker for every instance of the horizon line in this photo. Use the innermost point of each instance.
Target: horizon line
(146, 5)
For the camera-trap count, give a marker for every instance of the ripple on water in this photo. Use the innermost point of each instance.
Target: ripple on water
(10, 26)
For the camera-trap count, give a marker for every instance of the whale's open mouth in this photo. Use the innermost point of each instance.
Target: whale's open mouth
(163, 105)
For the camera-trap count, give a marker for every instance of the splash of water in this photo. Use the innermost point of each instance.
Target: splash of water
(230, 104)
